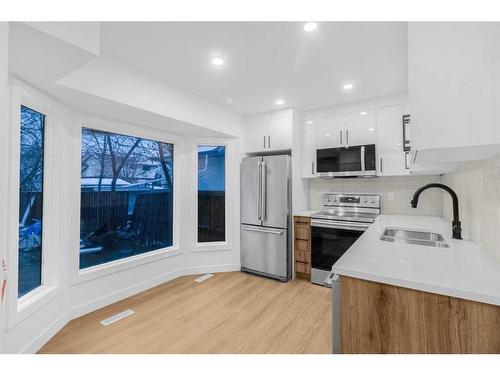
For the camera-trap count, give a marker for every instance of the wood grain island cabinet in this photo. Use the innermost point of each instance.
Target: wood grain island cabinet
(381, 318)
(302, 246)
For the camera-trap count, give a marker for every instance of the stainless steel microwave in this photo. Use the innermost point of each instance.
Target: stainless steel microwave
(355, 161)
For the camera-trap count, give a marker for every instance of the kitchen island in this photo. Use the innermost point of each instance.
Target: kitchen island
(406, 298)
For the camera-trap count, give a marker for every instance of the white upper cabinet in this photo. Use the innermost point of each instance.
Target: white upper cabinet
(256, 136)
(272, 134)
(330, 131)
(308, 146)
(280, 134)
(390, 153)
(360, 128)
(454, 90)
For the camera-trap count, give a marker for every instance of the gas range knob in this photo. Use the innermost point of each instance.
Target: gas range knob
(364, 200)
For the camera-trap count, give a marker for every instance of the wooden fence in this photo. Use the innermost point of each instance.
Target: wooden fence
(211, 216)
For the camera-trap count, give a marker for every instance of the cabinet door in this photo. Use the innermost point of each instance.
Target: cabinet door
(360, 128)
(308, 152)
(391, 158)
(280, 134)
(330, 131)
(453, 80)
(256, 136)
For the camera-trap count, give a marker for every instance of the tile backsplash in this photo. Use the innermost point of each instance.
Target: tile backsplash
(430, 203)
(477, 184)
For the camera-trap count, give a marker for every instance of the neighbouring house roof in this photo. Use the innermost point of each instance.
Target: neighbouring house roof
(94, 181)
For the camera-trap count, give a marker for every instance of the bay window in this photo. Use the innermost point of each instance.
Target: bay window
(31, 172)
(126, 194)
(211, 194)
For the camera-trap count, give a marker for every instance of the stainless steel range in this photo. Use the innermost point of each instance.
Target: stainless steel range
(341, 222)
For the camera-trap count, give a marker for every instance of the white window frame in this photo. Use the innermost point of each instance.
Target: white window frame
(19, 309)
(83, 120)
(230, 197)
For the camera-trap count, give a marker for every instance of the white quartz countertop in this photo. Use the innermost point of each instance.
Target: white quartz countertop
(307, 213)
(463, 270)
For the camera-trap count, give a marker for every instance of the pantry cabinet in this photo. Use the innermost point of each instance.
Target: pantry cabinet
(271, 134)
(308, 147)
(453, 89)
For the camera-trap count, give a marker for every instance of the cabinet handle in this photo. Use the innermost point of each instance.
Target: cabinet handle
(312, 167)
(269, 141)
(341, 137)
(264, 141)
(381, 166)
(347, 137)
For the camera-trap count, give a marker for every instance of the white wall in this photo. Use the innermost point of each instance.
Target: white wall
(477, 184)
(72, 293)
(4, 49)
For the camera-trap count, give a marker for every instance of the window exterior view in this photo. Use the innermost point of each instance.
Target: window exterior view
(126, 196)
(30, 200)
(211, 194)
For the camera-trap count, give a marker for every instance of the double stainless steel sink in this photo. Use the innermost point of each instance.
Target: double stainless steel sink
(413, 237)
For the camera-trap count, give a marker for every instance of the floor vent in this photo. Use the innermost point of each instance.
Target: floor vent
(203, 278)
(116, 317)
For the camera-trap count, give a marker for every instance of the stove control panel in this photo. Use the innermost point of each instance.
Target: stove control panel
(351, 200)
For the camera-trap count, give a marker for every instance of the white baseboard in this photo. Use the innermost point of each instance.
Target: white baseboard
(211, 269)
(87, 307)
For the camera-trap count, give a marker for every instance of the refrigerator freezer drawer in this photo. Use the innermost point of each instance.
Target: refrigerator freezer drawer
(264, 251)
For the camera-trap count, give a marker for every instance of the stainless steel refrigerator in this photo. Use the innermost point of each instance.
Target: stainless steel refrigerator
(266, 216)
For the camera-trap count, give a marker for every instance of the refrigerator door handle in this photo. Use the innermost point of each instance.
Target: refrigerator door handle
(263, 189)
(263, 230)
(259, 201)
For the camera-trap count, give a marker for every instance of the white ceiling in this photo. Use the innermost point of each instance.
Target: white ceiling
(265, 61)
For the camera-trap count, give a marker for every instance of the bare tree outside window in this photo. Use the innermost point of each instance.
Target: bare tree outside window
(31, 158)
(126, 196)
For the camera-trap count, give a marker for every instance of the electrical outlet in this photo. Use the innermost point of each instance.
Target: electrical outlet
(390, 196)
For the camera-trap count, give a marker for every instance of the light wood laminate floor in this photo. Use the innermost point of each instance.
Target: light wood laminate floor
(228, 313)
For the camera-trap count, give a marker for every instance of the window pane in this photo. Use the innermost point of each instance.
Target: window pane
(30, 200)
(211, 194)
(126, 196)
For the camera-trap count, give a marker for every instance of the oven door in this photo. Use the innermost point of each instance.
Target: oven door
(329, 241)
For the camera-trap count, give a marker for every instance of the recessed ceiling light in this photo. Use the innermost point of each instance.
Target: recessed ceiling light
(371, 129)
(310, 26)
(217, 61)
(348, 86)
(309, 122)
(280, 102)
(327, 134)
(362, 113)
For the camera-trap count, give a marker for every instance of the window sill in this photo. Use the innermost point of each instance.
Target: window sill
(105, 269)
(32, 302)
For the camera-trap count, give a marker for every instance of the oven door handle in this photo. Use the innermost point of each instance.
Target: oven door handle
(338, 225)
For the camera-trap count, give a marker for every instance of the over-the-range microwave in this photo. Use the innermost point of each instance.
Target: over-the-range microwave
(354, 161)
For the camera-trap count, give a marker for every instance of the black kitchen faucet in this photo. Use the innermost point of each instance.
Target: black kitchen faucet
(456, 228)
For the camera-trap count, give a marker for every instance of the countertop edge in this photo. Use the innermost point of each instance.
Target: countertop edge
(465, 295)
